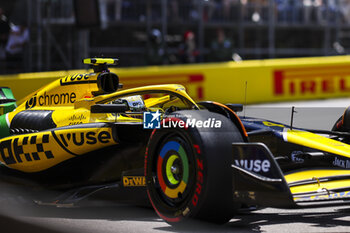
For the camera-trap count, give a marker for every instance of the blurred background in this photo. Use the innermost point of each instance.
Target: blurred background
(43, 35)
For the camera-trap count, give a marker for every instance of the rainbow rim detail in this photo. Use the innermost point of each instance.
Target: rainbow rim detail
(170, 152)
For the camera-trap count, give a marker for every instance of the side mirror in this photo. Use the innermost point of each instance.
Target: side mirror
(109, 108)
(107, 83)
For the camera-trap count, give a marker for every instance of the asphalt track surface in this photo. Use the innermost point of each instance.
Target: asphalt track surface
(17, 215)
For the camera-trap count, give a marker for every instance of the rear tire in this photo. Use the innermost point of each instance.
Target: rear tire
(188, 171)
(337, 125)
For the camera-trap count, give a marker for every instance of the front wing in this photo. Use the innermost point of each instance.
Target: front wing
(258, 180)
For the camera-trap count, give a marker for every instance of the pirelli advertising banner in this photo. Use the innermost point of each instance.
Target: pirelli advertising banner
(262, 80)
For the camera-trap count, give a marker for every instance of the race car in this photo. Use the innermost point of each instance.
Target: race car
(86, 138)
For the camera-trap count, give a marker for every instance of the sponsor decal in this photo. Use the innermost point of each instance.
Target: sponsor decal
(77, 143)
(271, 124)
(199, 182)
(337, 195)
(134, 181)
(151, 120)
(76, 79)
(63, 98)
(341, 162)
(29, 148)
(31, 102)
(255, 165)
(51, 99)
(296, 157)
(312, 80)
(52, 147)
(77, 119)
(81, 138)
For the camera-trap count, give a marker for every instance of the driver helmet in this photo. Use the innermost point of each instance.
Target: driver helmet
(135, 103)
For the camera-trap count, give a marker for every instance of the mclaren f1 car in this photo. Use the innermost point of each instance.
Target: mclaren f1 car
(84, 136)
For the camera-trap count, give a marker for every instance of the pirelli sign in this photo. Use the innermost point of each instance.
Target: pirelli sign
(325, 80)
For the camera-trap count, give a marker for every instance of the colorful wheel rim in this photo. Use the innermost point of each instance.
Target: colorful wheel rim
(172, 169)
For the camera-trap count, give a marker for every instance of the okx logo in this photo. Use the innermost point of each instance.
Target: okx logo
(151, 120)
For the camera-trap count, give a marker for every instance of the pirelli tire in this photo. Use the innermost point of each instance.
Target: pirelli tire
(343, 123)
(188, 170)
(337, 125)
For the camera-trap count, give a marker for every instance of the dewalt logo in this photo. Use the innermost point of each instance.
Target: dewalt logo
(134, 181)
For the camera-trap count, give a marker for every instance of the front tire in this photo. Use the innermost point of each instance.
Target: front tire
(188, 171)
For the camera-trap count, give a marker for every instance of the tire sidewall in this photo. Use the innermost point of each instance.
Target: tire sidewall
(189, 206)
(209, 184)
